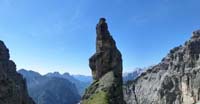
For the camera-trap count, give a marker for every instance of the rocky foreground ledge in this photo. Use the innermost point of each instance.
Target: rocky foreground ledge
(106, 66)
(12, 86)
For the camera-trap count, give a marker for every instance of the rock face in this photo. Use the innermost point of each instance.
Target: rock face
(12, 86)
(106, 66)
(175, 80)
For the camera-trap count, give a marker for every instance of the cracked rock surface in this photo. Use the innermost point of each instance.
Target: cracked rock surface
(175, 80)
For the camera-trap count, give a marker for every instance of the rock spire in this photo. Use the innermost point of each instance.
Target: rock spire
(106, 66)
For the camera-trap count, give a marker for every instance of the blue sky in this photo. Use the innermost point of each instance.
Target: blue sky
(59, 35)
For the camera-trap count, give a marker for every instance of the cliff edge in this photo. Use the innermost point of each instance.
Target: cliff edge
(12, 85)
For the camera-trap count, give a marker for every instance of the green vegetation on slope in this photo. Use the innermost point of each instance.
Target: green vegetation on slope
(98, 98)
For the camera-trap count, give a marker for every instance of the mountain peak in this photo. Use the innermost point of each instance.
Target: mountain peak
(29, 73)
(66, 73)
(196, 34)
(102, 20)
(56, 73)
(102, 29)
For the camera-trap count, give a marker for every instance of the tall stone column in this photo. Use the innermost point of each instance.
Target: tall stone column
(106, 67)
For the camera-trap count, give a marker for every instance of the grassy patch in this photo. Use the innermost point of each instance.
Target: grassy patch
(97, 98)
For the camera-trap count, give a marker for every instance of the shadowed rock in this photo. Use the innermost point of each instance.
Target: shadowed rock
(12, 86)
(107, 56)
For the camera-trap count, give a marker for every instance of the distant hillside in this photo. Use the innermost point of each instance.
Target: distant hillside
(50, 90)
(83, 78)
(81, 81)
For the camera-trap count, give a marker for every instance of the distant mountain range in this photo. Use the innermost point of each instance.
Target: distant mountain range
(132, 75)
(55, 88)
(80, 81)
(83, 78)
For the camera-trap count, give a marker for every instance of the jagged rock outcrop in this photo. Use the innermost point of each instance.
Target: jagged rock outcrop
(175, 80)
(106, 66)
(12, 86)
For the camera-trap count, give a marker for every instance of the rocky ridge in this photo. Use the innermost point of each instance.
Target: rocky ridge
(175, 80)
(106, 66)
(12, 85)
